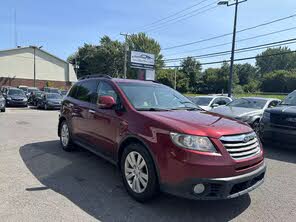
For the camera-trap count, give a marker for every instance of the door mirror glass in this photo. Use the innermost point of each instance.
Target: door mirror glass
(106, 102)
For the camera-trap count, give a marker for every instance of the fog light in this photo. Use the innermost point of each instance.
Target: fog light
(199, 188)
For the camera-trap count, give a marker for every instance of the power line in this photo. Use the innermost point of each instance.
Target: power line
(240, 40)
(256, 47)
(240, 59)
(183, 17)
(228, 34)
(173, 14)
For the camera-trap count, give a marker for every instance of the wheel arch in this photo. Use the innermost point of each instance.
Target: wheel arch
(135, 139)
(61, 119)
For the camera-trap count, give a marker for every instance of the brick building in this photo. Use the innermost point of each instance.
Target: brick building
(17, 68)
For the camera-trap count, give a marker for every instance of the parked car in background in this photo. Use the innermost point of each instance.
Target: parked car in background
(15, 97)
(24, 88)
(278, 124)
(34, 97)
(4, 89)
(51, 90)
(31, 90)
(2, 103)
(210, 102)
(247, 109)
(161, 140)
(50, 101)
(63, 93)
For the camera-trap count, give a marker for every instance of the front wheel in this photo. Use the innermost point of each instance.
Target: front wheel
(65, 137)
(3, 110)
(138, 173)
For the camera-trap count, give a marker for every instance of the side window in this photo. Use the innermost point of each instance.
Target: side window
(73, 91)
(224, 101)
(106, 89)
(216, 101)
(273, 104)
(87, 91)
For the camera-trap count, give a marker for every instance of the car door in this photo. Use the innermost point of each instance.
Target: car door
(106, 124)
(80, 110)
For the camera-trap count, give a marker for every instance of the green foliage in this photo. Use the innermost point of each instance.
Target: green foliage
(182, 83)
(166, 77)
(269, 63)
(192, 69)
(279, 81)
(108, 56)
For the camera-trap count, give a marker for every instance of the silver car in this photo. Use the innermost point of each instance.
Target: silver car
(247, 109)
(209, 102)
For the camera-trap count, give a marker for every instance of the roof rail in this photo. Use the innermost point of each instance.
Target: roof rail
(95, 76)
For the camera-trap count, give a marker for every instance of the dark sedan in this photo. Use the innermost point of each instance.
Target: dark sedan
(50, 101)
(278, 124)
(15, 97)
(248, 109)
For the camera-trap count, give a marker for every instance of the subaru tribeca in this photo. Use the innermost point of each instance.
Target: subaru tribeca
(160, 140)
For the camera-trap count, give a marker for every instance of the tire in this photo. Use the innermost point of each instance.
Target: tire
(140, 181)
(66, 143)
(45, 106)
(3, 110)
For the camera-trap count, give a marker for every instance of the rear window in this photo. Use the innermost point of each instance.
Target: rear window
(202, 101)
(248, 103)
(16, 92)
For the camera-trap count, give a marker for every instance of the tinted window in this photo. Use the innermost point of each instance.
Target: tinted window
(273, 104)
(73, 91)
(221, 101)
(54, 96)
(106, 89)
(16, 92)
(87, 91)
(290, 100)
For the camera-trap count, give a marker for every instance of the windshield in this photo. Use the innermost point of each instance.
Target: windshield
(54, 96)
(248, 103)
(202, 101)
(290, 100)
(16, 92)
(53, 90)
(152, 96)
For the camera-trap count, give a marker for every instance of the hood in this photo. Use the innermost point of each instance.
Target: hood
(200, 123)
(17, 96)
(287, 110)
(207, 108)
(54, 100)
(236, 112)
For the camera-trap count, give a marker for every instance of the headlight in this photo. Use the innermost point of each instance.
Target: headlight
(198, 143)
(266, 115)
(8, 98)
(25, 100)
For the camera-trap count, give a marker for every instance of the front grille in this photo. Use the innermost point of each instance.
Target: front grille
(18, 100)
(241, 146)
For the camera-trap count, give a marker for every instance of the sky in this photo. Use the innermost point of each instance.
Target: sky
(62, 26)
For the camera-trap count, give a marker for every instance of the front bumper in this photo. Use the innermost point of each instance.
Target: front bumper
(16, 103)
(286, 136)
(219, 188)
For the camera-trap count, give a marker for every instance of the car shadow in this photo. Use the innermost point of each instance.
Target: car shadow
(280, 153)
(94, 185)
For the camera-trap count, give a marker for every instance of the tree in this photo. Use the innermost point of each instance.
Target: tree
(142, 43)
(279, 81)
(192, 69)
(166, 77)
(246, 73)
(269, 63)
(108, 56)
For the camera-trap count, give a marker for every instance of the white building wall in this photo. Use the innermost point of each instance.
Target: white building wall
(20, 63)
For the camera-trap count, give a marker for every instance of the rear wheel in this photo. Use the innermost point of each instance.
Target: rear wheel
(3, 110)
(138, 173)
(45, 106)
(65, 137)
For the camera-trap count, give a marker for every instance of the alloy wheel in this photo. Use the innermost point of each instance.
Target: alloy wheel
(65, 135)
(136, 172)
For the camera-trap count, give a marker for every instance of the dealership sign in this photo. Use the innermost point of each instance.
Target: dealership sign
(142, 60)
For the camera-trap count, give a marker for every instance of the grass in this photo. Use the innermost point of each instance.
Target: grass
(276, 96)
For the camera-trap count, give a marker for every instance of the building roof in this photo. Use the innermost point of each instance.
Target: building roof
(20, 48)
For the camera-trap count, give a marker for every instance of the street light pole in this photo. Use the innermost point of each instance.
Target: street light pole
(34, 62)
(237, 2)
(125, 54)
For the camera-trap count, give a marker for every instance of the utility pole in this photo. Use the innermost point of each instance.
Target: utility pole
(34, 62)
(236, 3)
(176, 78)
(125, 53)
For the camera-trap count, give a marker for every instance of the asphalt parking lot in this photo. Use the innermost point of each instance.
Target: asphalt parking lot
(40, 182)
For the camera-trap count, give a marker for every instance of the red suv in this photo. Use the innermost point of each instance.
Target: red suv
(160, 140)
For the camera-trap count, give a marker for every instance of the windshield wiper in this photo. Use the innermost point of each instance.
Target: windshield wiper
(153, 109)
(187, 108)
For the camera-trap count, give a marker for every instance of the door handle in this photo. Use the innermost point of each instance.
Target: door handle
(91, 111)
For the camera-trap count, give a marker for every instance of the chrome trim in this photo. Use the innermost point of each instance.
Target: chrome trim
(241, 144)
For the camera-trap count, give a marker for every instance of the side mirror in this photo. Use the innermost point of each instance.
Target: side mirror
(106, 102)
(215, 105)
